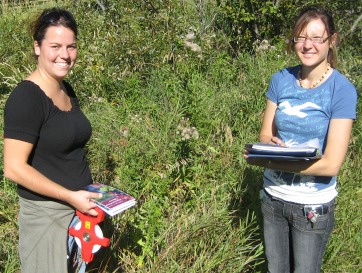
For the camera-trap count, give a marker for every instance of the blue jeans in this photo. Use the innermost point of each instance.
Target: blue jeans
(75, 262)
(292, 242)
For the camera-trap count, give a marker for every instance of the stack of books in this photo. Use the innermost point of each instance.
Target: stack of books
(113, 201)
(300, 152)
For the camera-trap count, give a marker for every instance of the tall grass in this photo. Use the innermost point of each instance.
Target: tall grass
(169, 126)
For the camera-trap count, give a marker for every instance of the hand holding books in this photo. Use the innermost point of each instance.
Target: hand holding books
(113, 201)
(87, 233)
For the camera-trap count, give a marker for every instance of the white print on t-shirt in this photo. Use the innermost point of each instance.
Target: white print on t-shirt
(296, 110)
(290, 179)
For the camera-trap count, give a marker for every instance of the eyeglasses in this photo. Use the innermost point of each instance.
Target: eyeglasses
(55, 15)
(314, 40)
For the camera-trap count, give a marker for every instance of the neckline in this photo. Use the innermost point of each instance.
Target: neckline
(55, 106)
(296, 81)
(317, 83)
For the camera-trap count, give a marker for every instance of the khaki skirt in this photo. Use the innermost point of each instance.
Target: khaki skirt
(43, 236)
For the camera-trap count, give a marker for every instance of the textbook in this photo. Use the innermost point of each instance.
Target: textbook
(113, 201)
(306, 151)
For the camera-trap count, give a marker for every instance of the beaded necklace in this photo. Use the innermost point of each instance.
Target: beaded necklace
(317, 82)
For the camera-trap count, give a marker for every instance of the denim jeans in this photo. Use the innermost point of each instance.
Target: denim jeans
(75, 262)
(292, 242)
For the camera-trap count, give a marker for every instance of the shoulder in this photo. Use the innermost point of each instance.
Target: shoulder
(25, 111)
(27, 95)
(27, 89)
(284, 76)
(287, 72)
(341, 79)
(343, 96)
(342, 84)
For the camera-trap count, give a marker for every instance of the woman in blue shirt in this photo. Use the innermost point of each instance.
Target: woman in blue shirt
(312, 100)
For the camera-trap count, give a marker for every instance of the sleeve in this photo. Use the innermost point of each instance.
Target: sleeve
(344, 101)
(24, 114)
(281, 80)
(271, 92)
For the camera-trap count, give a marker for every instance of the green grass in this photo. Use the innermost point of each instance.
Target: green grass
(198, 205)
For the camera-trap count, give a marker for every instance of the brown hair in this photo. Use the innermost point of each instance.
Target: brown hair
(305, 17)
(52, 17)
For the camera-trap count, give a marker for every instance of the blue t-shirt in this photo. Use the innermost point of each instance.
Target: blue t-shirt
(301, 115)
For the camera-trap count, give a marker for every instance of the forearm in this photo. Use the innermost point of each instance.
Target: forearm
(319, 167)
(28, 177)
(333, 156)
(17, 169)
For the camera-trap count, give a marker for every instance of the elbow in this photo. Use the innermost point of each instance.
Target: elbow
(334, 173)
(9, 172)
(324, 168)
(333, 169)
(327, 166)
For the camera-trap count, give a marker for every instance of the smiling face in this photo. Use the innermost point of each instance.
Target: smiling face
(314, 54)
(57, 53)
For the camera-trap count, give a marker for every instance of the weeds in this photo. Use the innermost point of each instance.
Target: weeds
(169, 127)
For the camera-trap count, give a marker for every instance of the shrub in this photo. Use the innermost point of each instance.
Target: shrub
(169, 126)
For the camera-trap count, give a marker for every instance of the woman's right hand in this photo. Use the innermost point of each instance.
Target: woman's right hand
(276, 141)
(81, 200)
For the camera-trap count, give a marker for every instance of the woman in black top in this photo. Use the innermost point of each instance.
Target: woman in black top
(45, 135)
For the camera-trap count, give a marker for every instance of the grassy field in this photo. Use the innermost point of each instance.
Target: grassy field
(169, 126)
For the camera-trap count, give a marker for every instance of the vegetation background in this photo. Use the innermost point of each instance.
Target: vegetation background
(174, 89)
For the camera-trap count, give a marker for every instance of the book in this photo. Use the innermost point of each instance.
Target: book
(113, 201)
(304, 151)
(285, 157)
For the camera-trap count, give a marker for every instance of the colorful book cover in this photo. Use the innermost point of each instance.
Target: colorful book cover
(113, 201)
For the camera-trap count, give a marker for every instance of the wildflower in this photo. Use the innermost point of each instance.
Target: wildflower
(187, 132)
(136, 118)
(124, 131)
(162, 175)
(190, 44)
(190, 37)
(263, 46)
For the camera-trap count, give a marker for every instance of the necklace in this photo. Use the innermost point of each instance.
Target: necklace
(317, 82)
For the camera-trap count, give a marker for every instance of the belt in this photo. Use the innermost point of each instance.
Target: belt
(317, 209)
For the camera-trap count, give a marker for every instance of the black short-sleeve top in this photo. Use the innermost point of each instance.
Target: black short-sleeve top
(59, 137)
